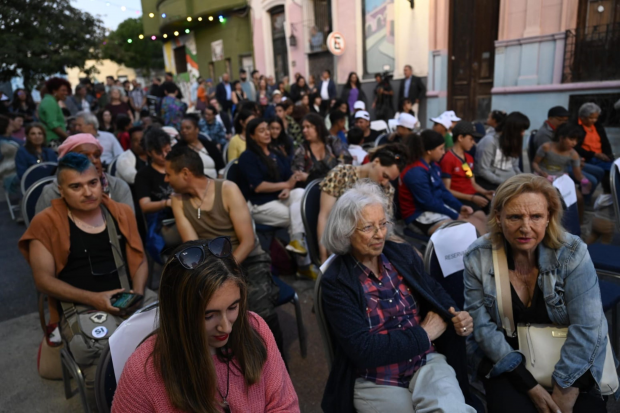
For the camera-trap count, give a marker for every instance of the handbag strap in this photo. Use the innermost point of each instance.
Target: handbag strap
(116, 250)
(502, 288)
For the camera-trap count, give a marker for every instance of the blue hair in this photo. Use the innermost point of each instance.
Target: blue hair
(75, 162)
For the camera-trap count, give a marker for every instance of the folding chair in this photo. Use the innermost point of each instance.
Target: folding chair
(289, 295)
(310, 209)
(379, 125)
(36, 172)
(225, 152)
(29, 201)
(392, 124)
(112, 167)
(382, 139)
(452, 283)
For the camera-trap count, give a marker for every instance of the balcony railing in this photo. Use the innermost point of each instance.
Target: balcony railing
(592, 54)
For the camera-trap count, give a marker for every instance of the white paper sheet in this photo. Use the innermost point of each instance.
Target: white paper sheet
(567, 188)
(129, 335)
(450, 245)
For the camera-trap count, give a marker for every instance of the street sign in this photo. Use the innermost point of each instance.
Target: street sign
(335, 43)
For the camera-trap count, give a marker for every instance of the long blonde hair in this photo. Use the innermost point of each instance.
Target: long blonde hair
(529, 183)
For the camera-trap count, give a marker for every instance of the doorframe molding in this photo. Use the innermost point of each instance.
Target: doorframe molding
(449, 60)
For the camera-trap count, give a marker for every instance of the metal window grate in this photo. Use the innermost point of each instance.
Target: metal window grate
(591, 54)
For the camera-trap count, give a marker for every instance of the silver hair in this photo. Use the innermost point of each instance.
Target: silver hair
(89, 118)
(120, 90)
(346, 214)
(588, 108)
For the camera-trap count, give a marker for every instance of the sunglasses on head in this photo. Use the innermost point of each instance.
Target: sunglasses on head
(194, 256)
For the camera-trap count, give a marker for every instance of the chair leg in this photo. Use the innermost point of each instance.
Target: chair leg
(66, 379)
(614, 328)
(71, 369)
(301, 330)
(8, 202)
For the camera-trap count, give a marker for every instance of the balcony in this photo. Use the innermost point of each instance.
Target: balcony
(591, 54)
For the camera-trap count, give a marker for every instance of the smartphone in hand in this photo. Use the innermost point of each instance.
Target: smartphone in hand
(124, 301)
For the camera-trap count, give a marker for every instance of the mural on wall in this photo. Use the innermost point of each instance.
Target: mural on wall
(186, 78)
(379, 35)
(217, 50)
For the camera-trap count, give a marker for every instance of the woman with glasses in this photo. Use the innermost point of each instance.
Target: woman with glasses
(385, 165)
(209, 354)
(399, 338)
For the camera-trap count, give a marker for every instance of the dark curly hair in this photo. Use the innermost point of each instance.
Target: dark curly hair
(56, 83)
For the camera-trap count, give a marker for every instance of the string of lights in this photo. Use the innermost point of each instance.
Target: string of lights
(120, 6)
(176, 33)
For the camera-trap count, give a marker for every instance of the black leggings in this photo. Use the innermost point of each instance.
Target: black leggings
(503, 397)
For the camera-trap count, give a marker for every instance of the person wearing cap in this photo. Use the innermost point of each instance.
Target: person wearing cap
(406, 124)
(457, 169)
(362, 121)
(425, 203)
(556, 117)
(385, 164)
(442, 125)
(497, 154)
(89, 146)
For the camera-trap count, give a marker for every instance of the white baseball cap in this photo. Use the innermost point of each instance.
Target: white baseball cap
(362, 114)
(451, 115)
(359, 105)
(172, 132)
(444, 120)
(407, 120)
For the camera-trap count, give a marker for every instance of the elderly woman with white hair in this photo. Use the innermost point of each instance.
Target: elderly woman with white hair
(390, 321)
(594, 147)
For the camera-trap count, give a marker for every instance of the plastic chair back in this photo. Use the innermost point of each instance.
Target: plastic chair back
(29, 201)
(615, 190)
(310, 208)
(105, 381)
(232, 172)
(378, 125)
(322, 322)
(225, 152)
(392, 124)
(36, 172)
(453, 283)
(112, 167)
(381, 139)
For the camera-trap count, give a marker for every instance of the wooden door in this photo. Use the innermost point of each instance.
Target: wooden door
(473, 31)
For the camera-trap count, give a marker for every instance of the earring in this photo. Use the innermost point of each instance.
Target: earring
(547, 223)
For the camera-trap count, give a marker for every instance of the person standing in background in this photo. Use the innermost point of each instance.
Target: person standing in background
(50, 113)
(223, 93)
(247, 86)
(327, 90)
(412, 87)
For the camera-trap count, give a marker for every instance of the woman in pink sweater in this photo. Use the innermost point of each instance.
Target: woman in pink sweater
(209, 354)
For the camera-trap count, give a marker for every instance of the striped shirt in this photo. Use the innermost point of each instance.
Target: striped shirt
(390, 306)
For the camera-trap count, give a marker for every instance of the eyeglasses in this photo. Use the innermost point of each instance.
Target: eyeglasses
(371, 228)
(192, 257)
(102, 274)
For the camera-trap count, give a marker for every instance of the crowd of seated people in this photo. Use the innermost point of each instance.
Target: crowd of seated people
(399, 338)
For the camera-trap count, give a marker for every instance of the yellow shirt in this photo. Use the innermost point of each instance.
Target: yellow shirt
(236, 147)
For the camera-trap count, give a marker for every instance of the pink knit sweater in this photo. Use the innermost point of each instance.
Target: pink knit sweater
(142, 390)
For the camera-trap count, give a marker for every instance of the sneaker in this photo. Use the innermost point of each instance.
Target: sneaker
(297, 247)
(309, 271)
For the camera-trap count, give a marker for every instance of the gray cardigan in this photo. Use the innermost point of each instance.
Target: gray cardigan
(119, 192)
(491, 163)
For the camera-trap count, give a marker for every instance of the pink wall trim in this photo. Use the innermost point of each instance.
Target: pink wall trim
(531, 39)
(346, 25)
(295, 25)
(259, 44)
(436, 94)
(563, 87)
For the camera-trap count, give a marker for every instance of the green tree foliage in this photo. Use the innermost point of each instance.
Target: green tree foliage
(39, 38)
(144, 54)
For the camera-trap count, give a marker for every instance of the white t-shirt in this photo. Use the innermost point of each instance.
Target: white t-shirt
(358, 154)
(324, 90)
(208, 163)
(111, 147)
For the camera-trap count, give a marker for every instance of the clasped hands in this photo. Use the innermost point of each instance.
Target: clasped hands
(435, 326)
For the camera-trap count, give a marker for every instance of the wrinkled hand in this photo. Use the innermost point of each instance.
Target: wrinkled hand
(462, 321)
(434, 325)
(284, 194)
(565, 398)
(101, 301)
(542, 400)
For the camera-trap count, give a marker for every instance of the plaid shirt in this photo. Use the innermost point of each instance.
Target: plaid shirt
(391, 306)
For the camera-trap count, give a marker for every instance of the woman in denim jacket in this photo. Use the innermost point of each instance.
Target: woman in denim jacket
(553, 281)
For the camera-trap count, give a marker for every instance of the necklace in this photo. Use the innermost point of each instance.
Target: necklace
(225, 405)
(203, 198)
(84, 224)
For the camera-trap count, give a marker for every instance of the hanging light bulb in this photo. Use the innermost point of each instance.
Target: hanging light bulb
(151, 15)
(153, 37)
(200, 19)
(176, 33)
(189, 19)
(186, 30)
(165, 35)
(221, 19)
(163, 15)
(129, 41)
(141, 37)
(210, 18)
